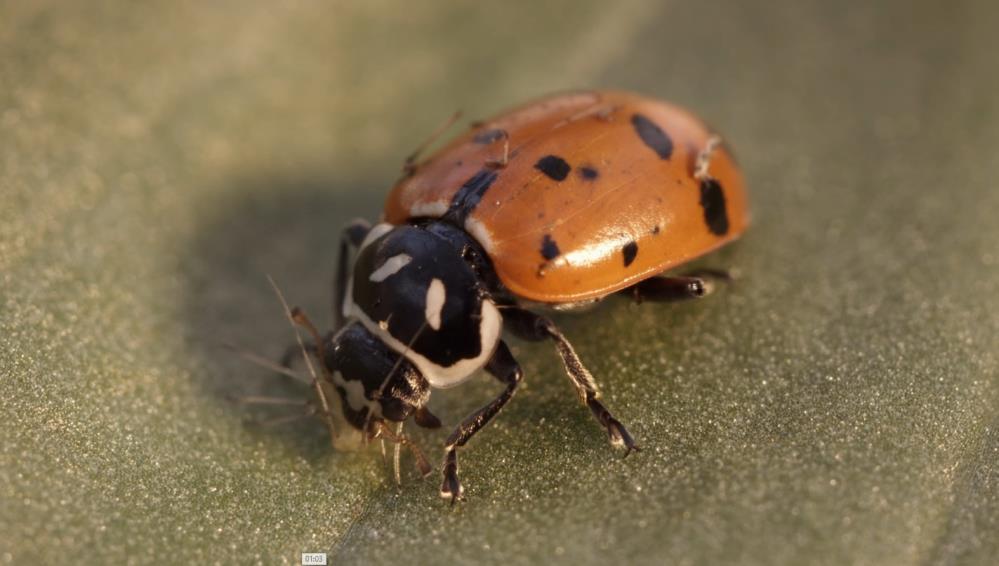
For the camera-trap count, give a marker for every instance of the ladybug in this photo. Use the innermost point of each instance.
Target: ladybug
(553, 205)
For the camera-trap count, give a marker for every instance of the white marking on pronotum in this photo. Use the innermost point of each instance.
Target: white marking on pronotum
(391, 266)
(377, 232)
(435, 303)
(490, 327)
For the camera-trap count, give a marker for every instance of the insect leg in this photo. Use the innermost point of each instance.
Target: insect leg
(531, 326)
(505, 368)
(694, 285)
(382, 430)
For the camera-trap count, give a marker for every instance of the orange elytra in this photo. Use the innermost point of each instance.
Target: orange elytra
(599, 191)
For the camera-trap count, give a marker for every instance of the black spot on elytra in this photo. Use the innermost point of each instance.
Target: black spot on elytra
(549, 249)
(713, 203)
(489, 136)
(554, 166)
(653, 136)
(588, 173)
(630, 250)
(656, 230)
(469, 195)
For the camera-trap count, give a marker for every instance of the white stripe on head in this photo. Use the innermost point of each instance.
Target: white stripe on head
(391, 266)
(435, 303)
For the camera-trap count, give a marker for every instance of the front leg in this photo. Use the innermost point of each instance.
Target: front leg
(531, 326)
(505, 368)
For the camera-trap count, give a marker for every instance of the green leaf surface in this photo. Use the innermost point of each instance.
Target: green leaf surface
(837, 404)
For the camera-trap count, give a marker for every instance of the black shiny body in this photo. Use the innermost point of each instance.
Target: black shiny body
(472, 254)
(400, 300)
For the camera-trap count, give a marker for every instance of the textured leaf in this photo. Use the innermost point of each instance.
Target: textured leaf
(836, 404)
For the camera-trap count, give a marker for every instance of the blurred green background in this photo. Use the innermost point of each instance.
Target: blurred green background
(836, 405)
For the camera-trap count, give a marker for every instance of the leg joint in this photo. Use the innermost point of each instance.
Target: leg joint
(515, 376)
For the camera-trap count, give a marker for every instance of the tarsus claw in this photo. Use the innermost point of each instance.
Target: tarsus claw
(451, 486)
(619, 436)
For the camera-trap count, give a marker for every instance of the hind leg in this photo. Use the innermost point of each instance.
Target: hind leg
(668, 289)
(531, 326)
